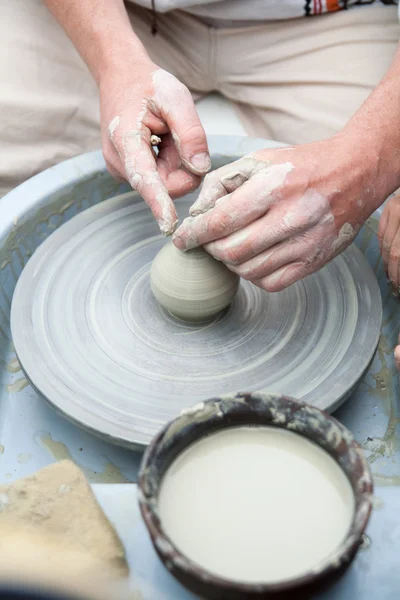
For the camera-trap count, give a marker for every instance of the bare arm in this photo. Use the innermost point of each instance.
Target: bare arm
(137, 99)
(101, 32)
(375, 129)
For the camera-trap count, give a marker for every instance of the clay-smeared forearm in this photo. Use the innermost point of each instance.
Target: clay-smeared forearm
(101, 32)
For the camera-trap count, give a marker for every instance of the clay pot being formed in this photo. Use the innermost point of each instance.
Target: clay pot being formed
(191, 285)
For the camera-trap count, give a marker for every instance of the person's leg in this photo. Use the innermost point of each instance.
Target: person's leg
(49, 105)
(301, 80)
(48, 100)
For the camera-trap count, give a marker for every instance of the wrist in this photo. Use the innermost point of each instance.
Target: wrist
(116, 56)
(102, 33)
(375, 129)
(374, 153)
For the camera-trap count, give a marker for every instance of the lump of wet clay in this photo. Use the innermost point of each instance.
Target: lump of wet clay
(191, 285)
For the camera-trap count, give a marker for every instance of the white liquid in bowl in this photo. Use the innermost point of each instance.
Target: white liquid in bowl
(256, 504)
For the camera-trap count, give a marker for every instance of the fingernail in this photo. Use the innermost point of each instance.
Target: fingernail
(196, 210)
(183, 243)
(178, 242)
(201, 162)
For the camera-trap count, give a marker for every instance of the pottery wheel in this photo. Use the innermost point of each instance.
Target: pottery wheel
(93, 341)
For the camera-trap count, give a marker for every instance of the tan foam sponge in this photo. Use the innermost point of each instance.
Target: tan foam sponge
(53, 532)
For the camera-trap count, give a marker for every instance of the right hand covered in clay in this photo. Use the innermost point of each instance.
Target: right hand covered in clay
(137, 101)
(279, 215)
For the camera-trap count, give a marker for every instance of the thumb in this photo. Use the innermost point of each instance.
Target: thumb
(180, 113)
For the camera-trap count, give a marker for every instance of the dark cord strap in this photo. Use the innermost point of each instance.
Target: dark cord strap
(154, 17)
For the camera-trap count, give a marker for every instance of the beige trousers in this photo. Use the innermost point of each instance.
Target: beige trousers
(294, 81)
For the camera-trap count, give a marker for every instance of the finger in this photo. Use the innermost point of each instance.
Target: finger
(140, 166)
(394, 260)
(177, 180)
(178, 109)
(383, 222)
(168, 155)
(229, 178)
(224, 181)
(284, 277)
(263, 233)
(234, 211)
(269, 261)
(114, 172)
(111, 157)
(397, 357)
(179, 183)
(390, 232)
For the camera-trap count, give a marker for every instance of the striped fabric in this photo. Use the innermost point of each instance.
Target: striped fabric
(252, 10)
(317, 7)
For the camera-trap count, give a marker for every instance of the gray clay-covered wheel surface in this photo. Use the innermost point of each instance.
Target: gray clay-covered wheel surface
(96, 344)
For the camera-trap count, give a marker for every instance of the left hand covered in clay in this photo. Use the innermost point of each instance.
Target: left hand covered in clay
(389, 241)
(278, 215)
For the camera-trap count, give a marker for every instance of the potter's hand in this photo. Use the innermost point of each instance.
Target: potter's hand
(397, 354)
(137, 101)
(276, 216)
(389, 240)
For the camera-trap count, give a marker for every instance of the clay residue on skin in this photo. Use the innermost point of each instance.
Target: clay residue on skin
(230, 177)
(59, 451)
(344, 237)
(113, 126)
(170, 93)
(133, 144)
(168, 222)
(141, 172)
(136, 154)
(313, 208)
(217, 189)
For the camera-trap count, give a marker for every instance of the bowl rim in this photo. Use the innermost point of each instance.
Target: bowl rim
(243, 408)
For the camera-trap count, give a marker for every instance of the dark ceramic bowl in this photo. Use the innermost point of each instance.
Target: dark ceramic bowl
(253, 409)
